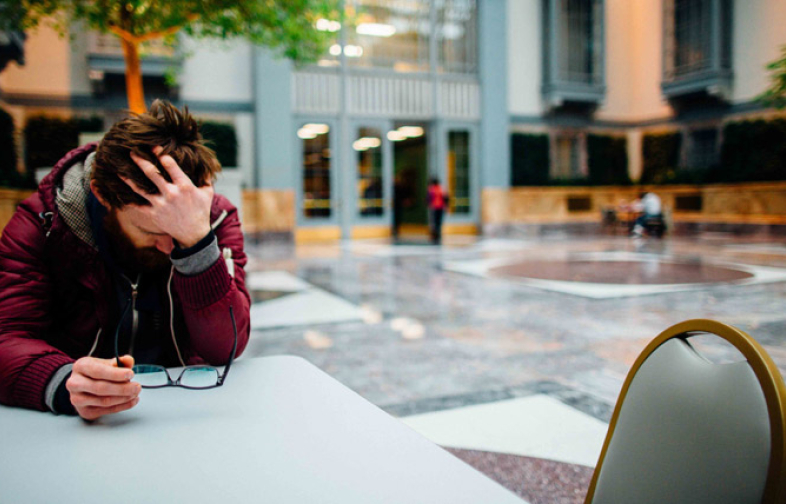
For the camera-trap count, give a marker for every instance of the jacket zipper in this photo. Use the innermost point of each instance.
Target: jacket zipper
(172, 316)
(134, 313)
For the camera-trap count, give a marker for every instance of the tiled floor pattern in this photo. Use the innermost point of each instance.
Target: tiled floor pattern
(537, 446)
(537, 481)
(517, 377)
(537, 426)
(293, 302)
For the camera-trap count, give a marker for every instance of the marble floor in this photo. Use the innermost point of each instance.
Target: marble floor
(509, 352)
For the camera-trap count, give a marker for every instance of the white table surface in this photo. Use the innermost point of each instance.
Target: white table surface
(279, 431)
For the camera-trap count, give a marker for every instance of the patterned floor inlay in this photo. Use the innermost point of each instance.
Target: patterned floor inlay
(615, 274)
(621, 272)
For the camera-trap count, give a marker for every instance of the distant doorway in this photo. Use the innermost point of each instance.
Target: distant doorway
(410, 172)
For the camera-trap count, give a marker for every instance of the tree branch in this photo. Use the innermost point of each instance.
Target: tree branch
(169, 31)
(138, 39)
(130, 37)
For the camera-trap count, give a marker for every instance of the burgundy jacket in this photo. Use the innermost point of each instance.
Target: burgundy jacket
(56, 294)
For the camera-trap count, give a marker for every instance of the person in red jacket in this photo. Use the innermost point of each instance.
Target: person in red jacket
(124, 240)
(437, 200)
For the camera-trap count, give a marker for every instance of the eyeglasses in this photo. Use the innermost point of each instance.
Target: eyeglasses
(198, 377)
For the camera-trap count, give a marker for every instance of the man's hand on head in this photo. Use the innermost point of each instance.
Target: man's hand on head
(181, 209)
(98, 387)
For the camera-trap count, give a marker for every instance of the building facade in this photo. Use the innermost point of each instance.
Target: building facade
(419, 89)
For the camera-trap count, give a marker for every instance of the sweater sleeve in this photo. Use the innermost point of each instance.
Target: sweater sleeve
(207, 296)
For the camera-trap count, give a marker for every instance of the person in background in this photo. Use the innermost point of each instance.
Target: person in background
(437, 202)
(651, 210)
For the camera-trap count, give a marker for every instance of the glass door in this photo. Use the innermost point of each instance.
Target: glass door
(317, 186)
(370, 162)
(410, 146)
(459, 154)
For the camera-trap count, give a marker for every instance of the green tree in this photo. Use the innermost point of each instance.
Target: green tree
(287, 26)
(775, 95)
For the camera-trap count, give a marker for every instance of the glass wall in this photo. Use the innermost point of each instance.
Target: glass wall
(390, 34)
(368, 149)
(316, 170)
(458, 171)
(396, 35)
(457, 35)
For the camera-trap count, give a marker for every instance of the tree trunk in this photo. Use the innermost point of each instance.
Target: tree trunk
(134, 90)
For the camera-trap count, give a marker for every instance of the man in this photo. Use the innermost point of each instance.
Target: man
(124, 240)
(649, 205)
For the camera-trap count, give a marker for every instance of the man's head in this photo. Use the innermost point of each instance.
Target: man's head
(139, 242)
(163, 125)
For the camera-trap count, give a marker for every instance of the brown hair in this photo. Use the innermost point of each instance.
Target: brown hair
(165, 125)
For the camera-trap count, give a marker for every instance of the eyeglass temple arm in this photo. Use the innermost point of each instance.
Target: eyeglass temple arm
(234, 345)
(117, 332)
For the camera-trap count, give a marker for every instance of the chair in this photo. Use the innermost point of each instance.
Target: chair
(655, 226)
(686, 430)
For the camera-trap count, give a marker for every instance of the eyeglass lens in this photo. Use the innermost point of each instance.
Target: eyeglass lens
(192, 377)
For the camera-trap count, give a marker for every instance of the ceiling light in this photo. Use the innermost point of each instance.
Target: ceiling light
(370, 142)
(306, 134)
(328, 25)
(396, 136)
(319, 129)
(411, 131)
(376, 29)
(353, 51)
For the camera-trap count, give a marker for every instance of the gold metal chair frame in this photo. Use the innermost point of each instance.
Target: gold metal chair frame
(767, 374)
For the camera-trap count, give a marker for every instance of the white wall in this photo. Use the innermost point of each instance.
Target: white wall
(525, 51)
(47, 69)
(759, 33)
(217, 71)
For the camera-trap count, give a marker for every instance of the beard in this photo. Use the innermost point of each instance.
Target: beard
(127, 255)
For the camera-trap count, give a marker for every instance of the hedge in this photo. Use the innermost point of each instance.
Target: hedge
(752, 151)
(607, 160)
(47, 139)
(661, 155)
(9, 176)
(529, 159)
(221, 138)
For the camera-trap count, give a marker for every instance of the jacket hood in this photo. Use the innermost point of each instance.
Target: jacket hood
(64, 191)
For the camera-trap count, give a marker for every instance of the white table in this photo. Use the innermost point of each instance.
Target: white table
(279, 431)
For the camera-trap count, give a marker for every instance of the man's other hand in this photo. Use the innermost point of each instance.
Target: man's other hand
(181, 209)
(98, 387)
